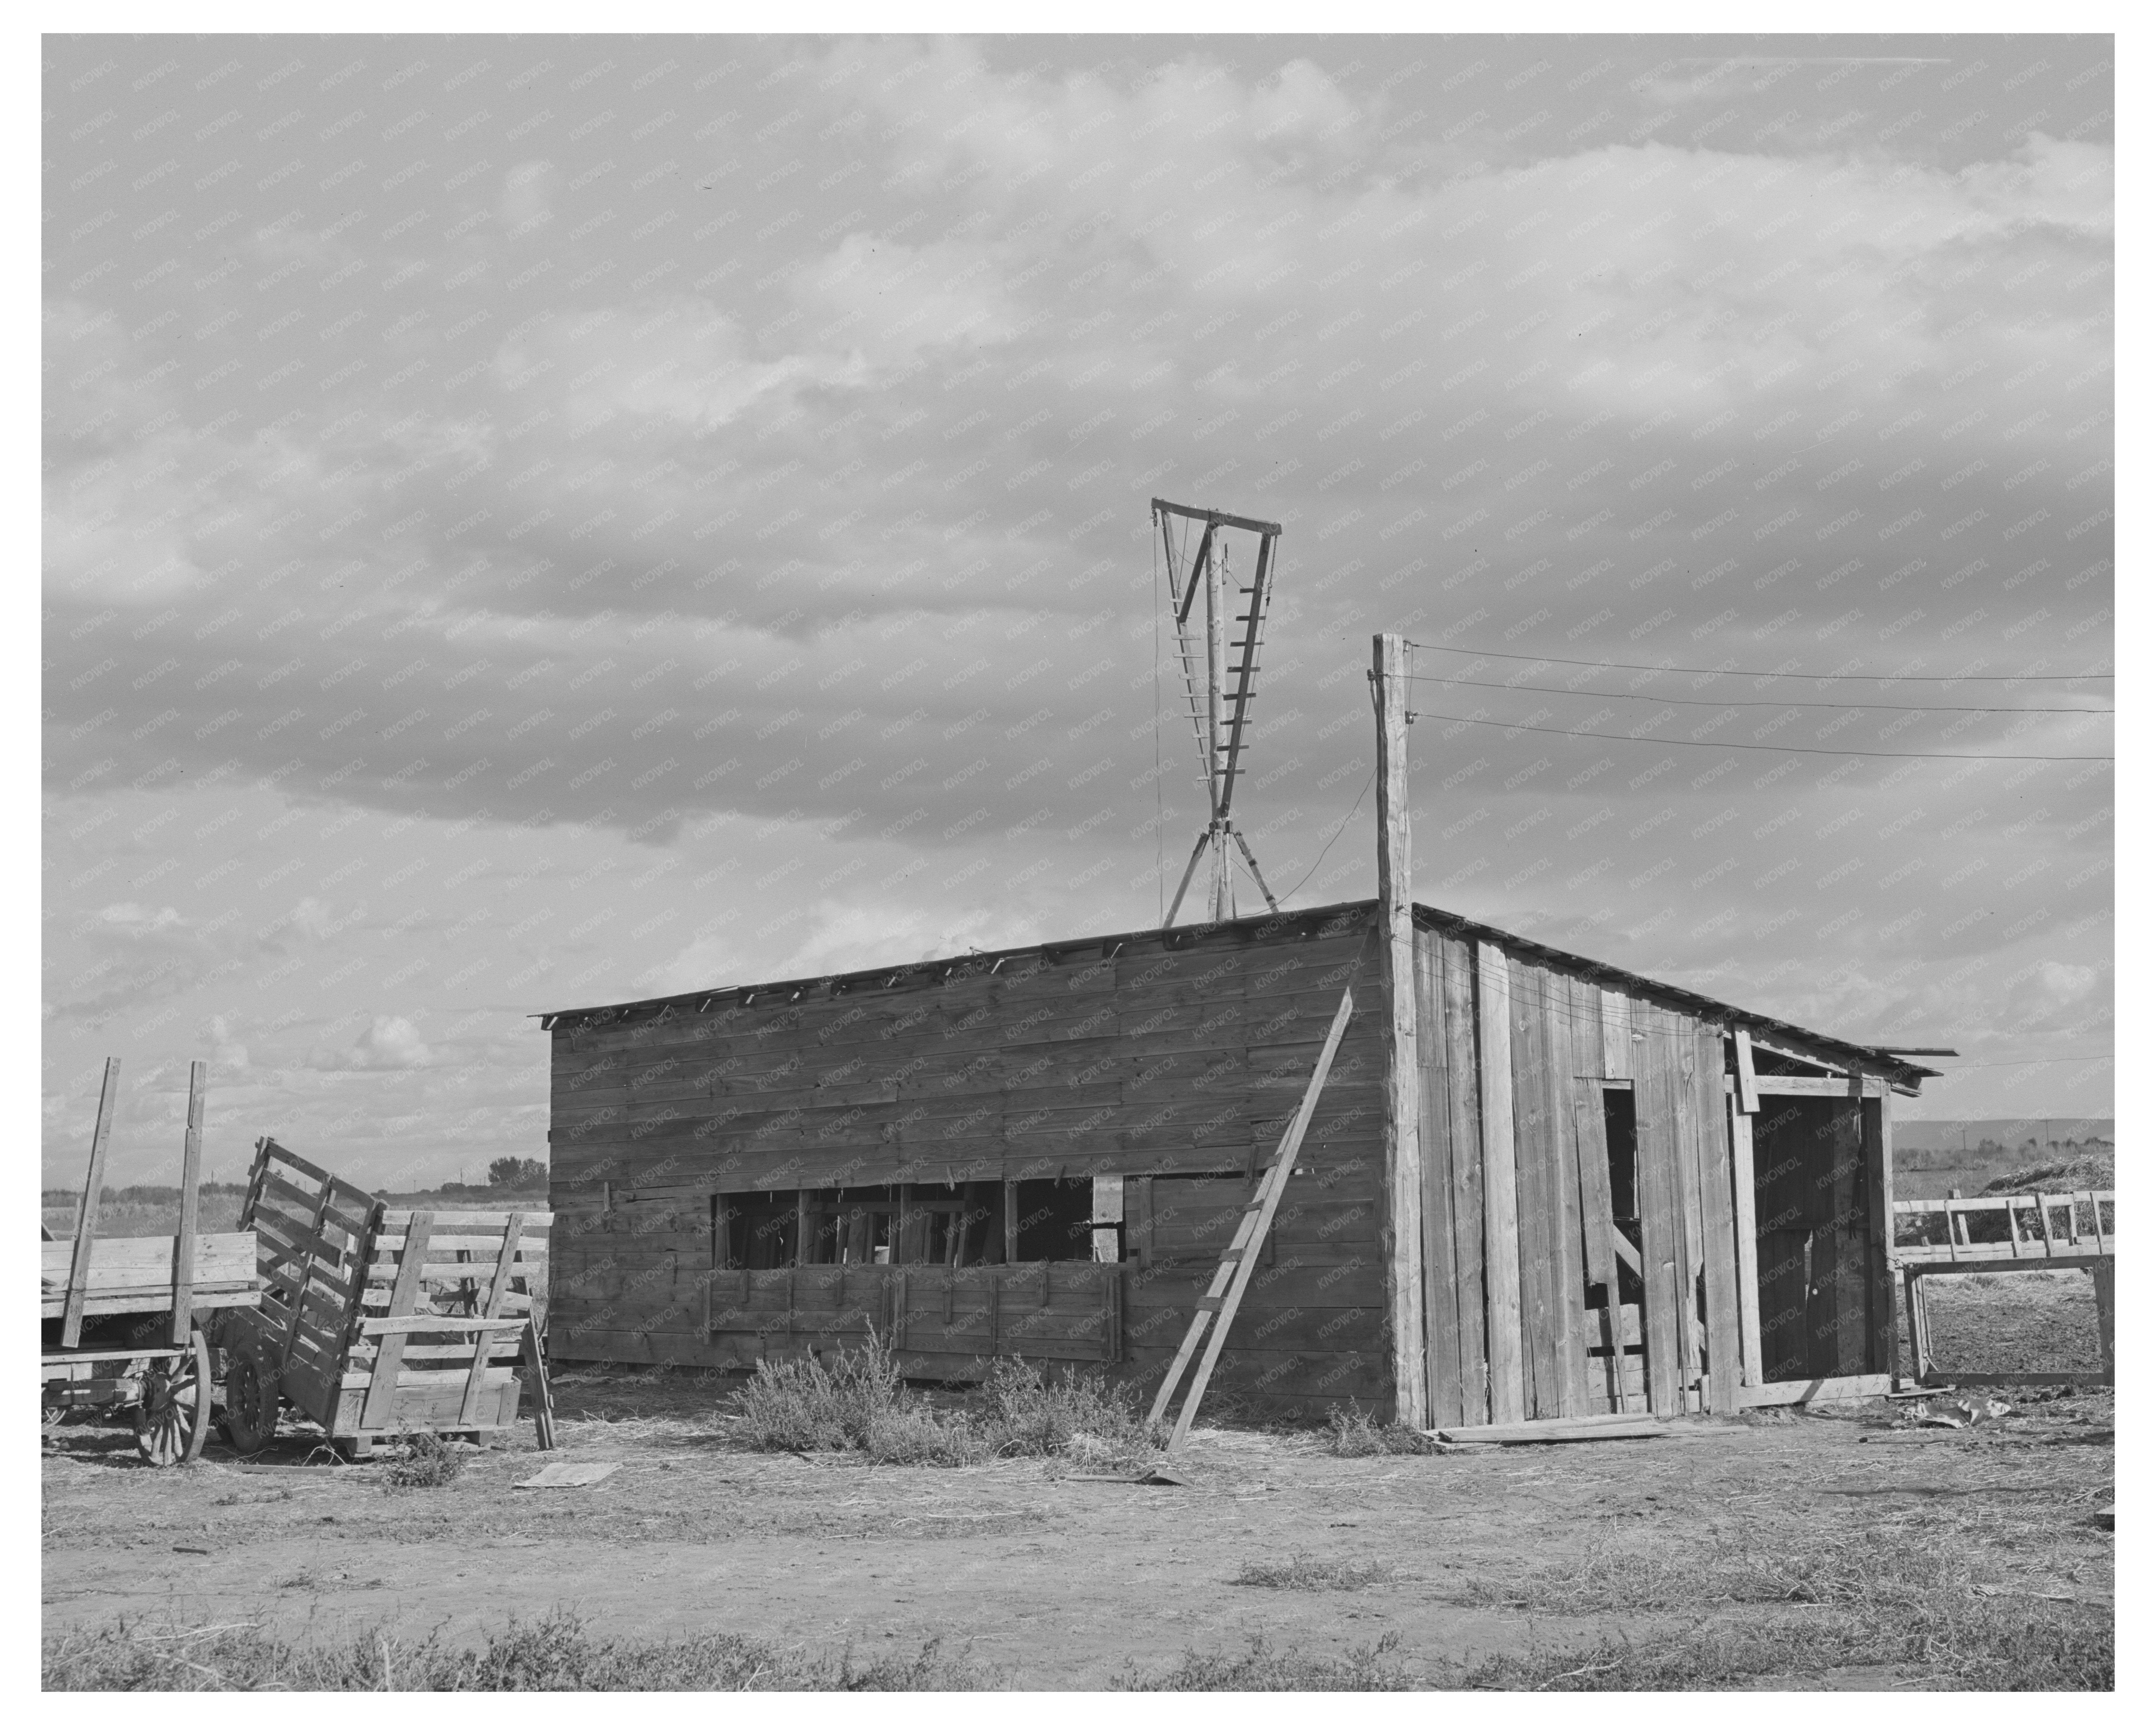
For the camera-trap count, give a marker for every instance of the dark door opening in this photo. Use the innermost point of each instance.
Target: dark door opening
(1810, 1199)
(1620, 1133)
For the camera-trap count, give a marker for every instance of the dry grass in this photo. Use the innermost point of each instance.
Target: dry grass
(1305, 1573)
(1898, 1598)
(1872, 1571)
(1262, 1667)
(855, 1402)
(1354, 1431)
(556, 1652)
(1972, 1643)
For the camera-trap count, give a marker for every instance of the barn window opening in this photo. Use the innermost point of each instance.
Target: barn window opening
(960, 1224)
(1053, 1222)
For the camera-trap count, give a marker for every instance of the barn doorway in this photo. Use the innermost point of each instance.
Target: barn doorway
(1812, 1197)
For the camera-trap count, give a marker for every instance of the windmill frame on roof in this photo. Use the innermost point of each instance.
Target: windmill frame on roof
(1220, 700)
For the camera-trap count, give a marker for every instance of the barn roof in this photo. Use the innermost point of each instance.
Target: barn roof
(1893, 1062)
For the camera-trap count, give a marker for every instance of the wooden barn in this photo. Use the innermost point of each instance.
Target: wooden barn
(1534, 1185)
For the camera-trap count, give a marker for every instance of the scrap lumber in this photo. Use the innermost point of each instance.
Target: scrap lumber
(556, 1475)
(1581, 1428)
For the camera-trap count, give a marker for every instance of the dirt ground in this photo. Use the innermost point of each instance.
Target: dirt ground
(1058, 1582)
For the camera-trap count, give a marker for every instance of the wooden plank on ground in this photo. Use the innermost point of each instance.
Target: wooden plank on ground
(1710, 1107)
(85, 1215)
(1501, 1221)
(1440, 1282)
(1813, 1389)
(1583, 1428)
(1463, 1104)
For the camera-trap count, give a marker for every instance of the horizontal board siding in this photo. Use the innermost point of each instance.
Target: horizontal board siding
(1174, 1063)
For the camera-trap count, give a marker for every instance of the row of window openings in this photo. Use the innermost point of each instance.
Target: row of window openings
(977, 1222)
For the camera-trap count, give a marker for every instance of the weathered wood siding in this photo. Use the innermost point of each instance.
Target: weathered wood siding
(1174, 1062)
(1529, 1313)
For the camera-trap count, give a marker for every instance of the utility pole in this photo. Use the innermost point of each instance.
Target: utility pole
(1400, 1240)
(1219, 704)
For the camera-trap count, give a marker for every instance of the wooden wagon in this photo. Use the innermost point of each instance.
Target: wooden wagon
(377, 1323)
(122, 1319)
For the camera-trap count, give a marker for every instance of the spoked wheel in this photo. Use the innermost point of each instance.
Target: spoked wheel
(171, 1421)
(250, 1400)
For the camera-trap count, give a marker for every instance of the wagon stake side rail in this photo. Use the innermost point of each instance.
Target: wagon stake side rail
(377, 1322)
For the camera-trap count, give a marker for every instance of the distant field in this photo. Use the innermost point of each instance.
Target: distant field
(1926, 1171)
(129, 1219)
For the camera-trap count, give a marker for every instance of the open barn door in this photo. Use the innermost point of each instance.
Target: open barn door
(1809, 1195)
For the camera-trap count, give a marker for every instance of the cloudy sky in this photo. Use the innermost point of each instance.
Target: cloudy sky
(531, 523)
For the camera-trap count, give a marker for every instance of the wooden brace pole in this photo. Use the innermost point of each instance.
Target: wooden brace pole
(1401, 1238)
(184, 1246)
(85, 1216)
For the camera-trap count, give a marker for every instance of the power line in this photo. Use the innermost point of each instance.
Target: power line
(1336, 831)
(1855, 707)
(1778, 748)
(1809, 676)
(2055, 1060)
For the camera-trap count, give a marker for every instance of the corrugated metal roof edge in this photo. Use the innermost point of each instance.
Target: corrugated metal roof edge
(1426, 915)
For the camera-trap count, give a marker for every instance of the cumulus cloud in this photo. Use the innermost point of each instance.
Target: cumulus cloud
(757, 484)
(2049, 988)
(389, 1043)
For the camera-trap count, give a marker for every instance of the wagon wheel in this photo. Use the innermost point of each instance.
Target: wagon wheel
(250, 1400)
(171, 1421)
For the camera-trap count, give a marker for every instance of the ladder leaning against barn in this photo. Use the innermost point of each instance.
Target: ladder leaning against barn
(1217, 1309)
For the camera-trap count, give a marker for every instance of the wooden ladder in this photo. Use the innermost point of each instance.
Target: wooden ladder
(1216, 1311)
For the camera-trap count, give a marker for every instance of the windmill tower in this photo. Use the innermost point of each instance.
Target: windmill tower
(1219, 689)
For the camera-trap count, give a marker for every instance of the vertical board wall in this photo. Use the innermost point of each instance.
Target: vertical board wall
(1521, 1252)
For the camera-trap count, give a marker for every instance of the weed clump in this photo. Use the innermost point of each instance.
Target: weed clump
(1264, 1666)
(428, 1461)
(1354, 1432)
(1305, 1573)
(854, 1401)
